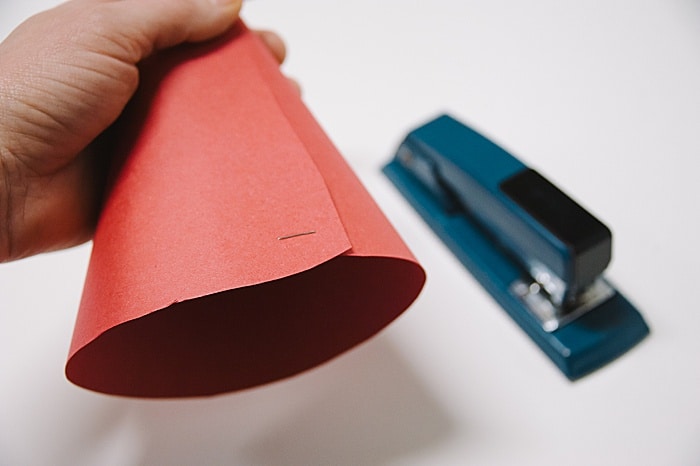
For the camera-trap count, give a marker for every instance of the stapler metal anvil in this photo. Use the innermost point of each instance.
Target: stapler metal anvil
(538, 253)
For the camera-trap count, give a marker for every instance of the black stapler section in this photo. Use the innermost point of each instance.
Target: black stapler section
(587, 240)
(538, 253)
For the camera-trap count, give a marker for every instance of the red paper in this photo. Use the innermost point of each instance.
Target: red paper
(236, 246)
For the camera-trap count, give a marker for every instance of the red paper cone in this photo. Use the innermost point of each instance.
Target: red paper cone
(236, 247)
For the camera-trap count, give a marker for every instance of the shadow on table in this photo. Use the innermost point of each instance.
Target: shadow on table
(375, 411)
(366, 407)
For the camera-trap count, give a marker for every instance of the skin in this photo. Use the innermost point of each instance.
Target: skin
(66, 75)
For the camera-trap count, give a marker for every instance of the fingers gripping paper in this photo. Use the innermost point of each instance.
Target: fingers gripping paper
(235, 247)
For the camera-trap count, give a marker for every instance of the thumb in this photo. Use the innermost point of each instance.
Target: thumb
(139, 27)
(83, 55)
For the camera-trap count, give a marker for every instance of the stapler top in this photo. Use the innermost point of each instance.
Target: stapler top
(560, 245)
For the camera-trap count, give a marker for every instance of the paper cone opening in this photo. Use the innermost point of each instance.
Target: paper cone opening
(250, 336)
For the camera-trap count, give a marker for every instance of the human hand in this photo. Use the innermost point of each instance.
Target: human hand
(65, 76)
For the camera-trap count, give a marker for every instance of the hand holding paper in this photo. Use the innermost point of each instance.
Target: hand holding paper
(66, 75)
(236, 247)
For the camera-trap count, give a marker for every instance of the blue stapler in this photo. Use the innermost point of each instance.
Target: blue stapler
(535, 250)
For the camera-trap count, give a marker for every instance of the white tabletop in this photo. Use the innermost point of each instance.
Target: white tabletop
(601, 96)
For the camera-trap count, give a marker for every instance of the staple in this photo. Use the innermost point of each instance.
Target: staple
(294, 235)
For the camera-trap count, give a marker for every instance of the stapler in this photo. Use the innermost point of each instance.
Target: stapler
(534, 249)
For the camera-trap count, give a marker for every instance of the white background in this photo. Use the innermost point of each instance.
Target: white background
(601, 96)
